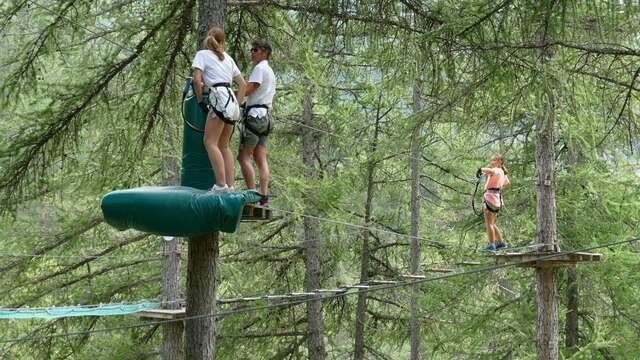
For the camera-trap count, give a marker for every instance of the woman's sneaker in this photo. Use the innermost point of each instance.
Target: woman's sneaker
(489, 248)
(501, 245)
(219, 189)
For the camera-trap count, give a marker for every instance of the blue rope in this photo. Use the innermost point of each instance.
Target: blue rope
(68, 311)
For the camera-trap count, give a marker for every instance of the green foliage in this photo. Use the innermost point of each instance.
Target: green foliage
(90, 93)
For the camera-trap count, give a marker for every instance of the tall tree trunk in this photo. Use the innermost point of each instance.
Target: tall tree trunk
(546, 226)
(414, 163)
(546, 233)
(546, 230)
(315, 339)
(201, 296)
(203, 250)
(361, 310)
(210, 13)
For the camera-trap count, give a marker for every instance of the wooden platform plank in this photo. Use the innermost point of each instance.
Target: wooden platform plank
(253, 212)
(163, 314)
(469, 263)
(439, 270)
(382, 282)
(331, 291)
(411, 276)
(357, 286)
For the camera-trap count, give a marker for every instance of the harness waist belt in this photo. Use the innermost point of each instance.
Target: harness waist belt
(493, 189)
(251, 128)
(256, 106)
(221, 84)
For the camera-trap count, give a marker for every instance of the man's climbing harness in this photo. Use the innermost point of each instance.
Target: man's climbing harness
(258, 125)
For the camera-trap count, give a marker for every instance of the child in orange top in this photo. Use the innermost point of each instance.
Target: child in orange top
(492, 200)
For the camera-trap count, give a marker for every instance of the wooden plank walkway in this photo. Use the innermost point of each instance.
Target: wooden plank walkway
(546, 259)
(162, 314)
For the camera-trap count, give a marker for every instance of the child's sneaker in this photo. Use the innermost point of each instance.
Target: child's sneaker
(489, 248)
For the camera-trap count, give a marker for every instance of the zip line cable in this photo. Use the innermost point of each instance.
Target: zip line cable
(315, 298)
(363, 227)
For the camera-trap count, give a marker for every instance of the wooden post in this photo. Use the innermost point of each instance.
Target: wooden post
(203, 250)
(315, 321)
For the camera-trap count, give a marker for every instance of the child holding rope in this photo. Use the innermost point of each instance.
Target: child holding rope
(492, 200)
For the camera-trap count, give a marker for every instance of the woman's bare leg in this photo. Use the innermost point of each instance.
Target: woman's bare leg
(212, 131)
(227, 155)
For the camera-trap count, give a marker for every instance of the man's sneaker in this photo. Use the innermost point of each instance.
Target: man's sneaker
(489, 248)
(231, 189)
(501, 245)
(264, 201)
(219, 189)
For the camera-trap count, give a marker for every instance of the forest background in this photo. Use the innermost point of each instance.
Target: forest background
(91, 92)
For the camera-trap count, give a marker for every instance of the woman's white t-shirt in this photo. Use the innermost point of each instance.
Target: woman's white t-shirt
(213, 69)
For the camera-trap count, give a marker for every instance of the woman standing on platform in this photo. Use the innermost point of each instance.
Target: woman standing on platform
(492, 200)
(214, 68)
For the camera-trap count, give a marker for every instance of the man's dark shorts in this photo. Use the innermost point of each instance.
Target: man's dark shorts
(249, 139)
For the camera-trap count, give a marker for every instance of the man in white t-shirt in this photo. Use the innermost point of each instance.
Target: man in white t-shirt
(257, 122)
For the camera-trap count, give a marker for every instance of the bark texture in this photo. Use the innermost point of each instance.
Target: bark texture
(201, 297)
(312, 240)
(546, 233)
(547, 301)
(210, 13)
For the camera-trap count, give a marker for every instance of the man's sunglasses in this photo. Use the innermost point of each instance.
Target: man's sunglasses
(254, 50)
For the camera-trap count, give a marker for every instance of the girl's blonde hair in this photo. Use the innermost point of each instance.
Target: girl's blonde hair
(215, 41)
(501, 159)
